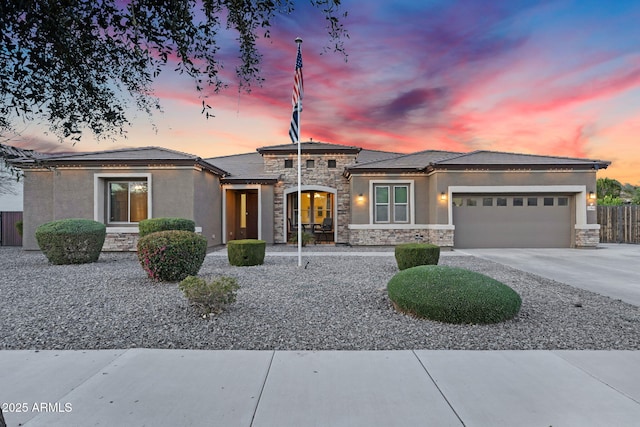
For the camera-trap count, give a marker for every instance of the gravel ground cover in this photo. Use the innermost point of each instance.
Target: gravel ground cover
(335, 303)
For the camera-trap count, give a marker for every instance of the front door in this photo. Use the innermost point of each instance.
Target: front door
(247, 214)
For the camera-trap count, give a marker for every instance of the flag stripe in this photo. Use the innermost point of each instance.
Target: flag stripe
(296, 99)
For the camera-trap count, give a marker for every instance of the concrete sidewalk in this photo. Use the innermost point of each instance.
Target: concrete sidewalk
(139, 387)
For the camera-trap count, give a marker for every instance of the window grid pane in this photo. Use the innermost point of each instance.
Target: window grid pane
(401, 204)
(382, 204)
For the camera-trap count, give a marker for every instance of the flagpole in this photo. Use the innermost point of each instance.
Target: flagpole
(299, 104)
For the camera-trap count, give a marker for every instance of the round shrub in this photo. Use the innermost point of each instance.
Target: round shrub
(171, 255)
(19, 227)
(71, 241)
(246, 252)
(152, 225)
(414, 254)
(452, 295)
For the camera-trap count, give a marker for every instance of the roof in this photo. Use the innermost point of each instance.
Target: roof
(404, 162)
(310, 147)
(242, 168)
(128, 156)
(10, 152)
(506, 160)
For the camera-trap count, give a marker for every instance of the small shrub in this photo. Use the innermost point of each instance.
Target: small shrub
(71, 241)
(306, 238)
(246, 252)
(211, 297)
(152, 225)
(19, 227)
(171, 255)
(414, 254)
(453, 295)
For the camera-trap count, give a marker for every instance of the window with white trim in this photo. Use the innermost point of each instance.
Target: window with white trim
(127, 201)
(391, 203)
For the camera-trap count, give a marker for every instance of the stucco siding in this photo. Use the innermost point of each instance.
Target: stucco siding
(208, 206)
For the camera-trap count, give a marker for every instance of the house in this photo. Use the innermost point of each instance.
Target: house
(368, 197)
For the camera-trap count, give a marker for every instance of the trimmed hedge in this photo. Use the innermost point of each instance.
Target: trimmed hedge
(71, 241)
(414, 254)
(246, 252)
(171, 255)
(453, 295)
(152, 225)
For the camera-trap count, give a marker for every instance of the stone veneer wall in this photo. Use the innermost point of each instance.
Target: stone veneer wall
(389, 237)
(587, 237)
(320, 175)
(125, 242)
(120, 242)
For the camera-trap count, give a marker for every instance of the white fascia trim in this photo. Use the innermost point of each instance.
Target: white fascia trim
(412, 197)
(580, 192)
(96, 191)
(226, 187)
(401, 227)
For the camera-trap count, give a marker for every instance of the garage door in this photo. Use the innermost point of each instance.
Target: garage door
(512, 221)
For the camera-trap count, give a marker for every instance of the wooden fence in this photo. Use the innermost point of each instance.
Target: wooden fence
(9, 235)
(619, 224)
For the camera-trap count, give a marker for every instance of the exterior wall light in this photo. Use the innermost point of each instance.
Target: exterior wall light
(592, 195)
(443, 196)
(360, 198)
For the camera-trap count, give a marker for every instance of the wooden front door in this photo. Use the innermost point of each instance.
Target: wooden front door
(247, 214)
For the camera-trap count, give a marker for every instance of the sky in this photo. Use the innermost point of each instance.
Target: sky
(557, 78)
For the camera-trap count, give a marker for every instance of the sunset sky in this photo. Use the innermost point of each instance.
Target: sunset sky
(544, 77)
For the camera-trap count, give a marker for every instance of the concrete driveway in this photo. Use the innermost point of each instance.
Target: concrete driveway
(612, 269)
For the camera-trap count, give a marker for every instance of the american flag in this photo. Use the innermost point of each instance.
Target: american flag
(298, 89)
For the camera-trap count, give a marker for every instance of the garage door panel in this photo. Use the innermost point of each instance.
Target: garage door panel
(511, 226)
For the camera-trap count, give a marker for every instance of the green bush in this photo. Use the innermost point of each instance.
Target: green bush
(210, 297)
(152, 225)
(306, 238)
(19, 227)
(71, 241)
(171, 255)
(452, 295)
(246, 252)
(414, 254)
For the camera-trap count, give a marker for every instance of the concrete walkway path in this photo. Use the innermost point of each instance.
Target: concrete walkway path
(145, 387)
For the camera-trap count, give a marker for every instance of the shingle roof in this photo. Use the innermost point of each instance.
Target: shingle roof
(405, 162)
(138, 155)
(489, 158)
(310, 147)
(243, 167)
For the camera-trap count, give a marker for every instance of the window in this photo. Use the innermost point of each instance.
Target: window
(548, 201)
(127, 201)
(518, 201)
(288, 163)
(382, 204)
(331, 164)
(532, 201)
(311, 164)
(391, 203)
(472, 202)
(401, 203)
(487, 201)
(457, 201)
(501, 201)
(563, 201)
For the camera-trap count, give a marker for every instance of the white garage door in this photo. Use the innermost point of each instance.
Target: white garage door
(512, 221)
